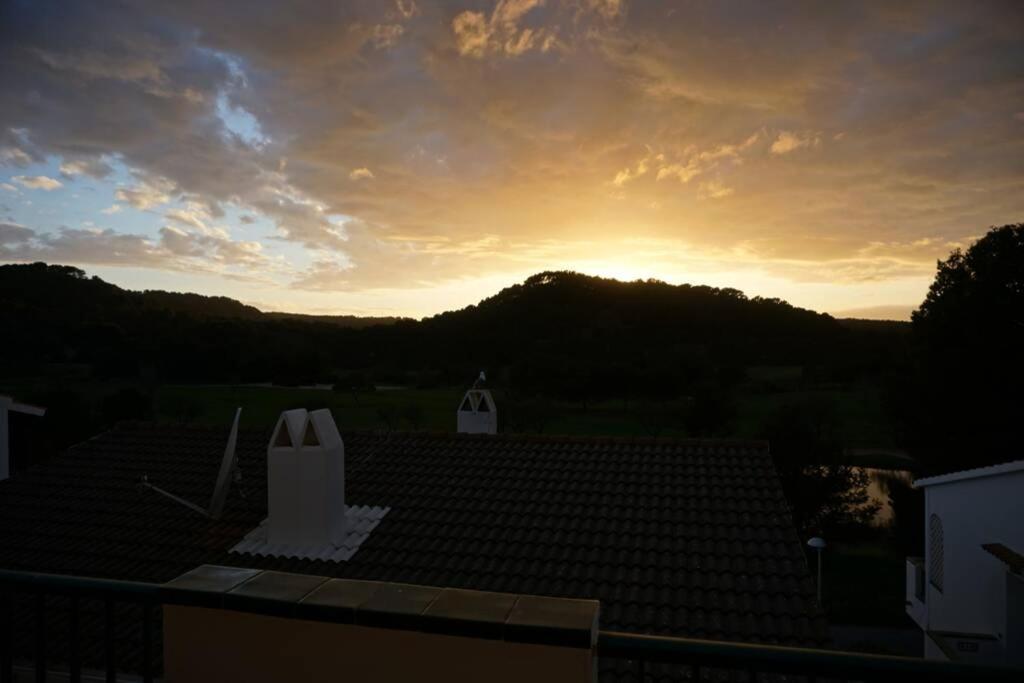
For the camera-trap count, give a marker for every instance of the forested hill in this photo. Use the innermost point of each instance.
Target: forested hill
(558, 332)
(63, 292)
(60, 289)
(575, 327)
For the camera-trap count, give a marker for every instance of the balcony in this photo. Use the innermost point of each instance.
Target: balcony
(225, 623)
(917, 592)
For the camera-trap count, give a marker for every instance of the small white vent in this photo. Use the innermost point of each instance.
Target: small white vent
(477, 413)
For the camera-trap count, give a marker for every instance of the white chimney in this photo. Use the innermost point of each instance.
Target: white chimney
(477, 413)
(306, 481)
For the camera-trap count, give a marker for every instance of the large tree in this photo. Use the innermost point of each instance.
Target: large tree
(970, 331)
(826, 496)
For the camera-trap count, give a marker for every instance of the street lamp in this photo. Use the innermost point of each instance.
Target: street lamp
(818, 544)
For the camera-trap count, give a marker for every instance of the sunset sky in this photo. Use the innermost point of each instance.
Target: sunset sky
(408, 157)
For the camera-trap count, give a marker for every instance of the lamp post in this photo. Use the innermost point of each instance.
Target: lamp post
(818, 544)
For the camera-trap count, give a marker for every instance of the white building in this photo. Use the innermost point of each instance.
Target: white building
(477, 413)
(967, 592)
(10, 425)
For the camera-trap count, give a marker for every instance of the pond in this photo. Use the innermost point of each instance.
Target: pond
(878, 489)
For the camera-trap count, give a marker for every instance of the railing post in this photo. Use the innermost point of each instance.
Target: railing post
(39, 603)
(74, 656)
(6, 637)
(147, 642)
(108, 639)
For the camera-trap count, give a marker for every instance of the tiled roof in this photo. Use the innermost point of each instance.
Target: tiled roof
(689, 538)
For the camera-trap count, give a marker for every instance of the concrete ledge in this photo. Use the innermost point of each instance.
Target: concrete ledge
(447, 611)
(222, 623)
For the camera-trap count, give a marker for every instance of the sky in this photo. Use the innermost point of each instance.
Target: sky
(405, 157)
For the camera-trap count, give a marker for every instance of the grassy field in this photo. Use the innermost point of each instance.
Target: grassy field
(434, 409)
(419, 409)
(859, 406)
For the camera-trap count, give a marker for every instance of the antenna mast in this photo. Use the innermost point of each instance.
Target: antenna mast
(227, 471)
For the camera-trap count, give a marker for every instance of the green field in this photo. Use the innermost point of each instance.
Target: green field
(859, 406)
(434, 410)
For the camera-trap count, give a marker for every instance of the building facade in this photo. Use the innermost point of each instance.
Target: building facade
(967, 592)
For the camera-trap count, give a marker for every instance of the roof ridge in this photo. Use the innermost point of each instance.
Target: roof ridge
(132, 425)
(570, 438)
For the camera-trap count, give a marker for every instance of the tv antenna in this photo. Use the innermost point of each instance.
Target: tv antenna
(228, 472)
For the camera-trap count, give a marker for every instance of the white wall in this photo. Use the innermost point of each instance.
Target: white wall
(973, 512)
(1014, 619)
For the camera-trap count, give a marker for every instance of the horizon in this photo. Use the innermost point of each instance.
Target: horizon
(406, 158)
(881, 313)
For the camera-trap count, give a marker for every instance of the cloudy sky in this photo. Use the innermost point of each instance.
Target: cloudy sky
(407, 157)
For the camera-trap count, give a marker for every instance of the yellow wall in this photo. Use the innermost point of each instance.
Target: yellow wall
(219, 646)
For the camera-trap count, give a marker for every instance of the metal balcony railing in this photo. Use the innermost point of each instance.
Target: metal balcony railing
(67, 623)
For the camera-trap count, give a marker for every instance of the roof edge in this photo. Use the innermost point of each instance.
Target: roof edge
(975, 473)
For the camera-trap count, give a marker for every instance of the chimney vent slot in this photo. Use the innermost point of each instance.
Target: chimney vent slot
(283, 439)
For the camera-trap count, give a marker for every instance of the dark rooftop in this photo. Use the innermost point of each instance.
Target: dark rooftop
(677, 537)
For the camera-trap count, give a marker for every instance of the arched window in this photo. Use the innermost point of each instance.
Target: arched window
(935, 559)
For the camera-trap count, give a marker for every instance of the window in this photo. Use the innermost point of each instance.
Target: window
(935, 559)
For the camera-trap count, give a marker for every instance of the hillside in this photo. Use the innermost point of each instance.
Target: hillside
(65, 289)
(354, 321)
(557, 333)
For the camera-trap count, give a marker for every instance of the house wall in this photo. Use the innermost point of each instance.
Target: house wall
(916, 610)
(1014, 619)
(973, 512)
(215, 645)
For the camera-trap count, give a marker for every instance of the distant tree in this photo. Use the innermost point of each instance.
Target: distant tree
(970, 336)
(412, 414)
(654, 417)
(355, 383)
(524, 415)
(127, 403)
(907, 516)
(826, 496)
(181, 405)
(388, 416)
(712, 410)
